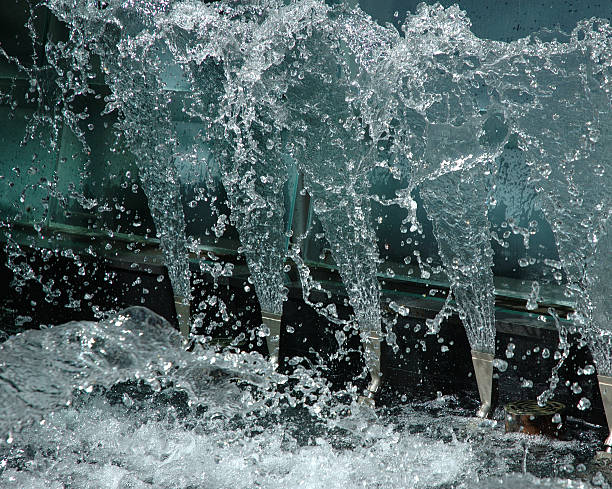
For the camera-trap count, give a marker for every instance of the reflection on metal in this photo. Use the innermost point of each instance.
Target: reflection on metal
(273, 322)
(483, 368)
(183, 315)
(530, 418)
(371, 345)
(605, 387)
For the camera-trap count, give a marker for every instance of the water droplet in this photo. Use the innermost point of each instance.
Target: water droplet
(500, 364)
(584, 404)
(588, 370)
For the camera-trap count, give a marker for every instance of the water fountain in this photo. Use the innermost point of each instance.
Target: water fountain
(439, 143)
(468, 267)
(463, 236)
(254, 171)
(269, 87)
(565, 131)
(462, 232)
(259, 98)
(135, 67)
(146, 122)
(336, 150)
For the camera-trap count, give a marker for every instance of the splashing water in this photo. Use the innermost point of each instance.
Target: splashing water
(568, 87)
(269, 89)
(41, 369)
(469, 267)
(269, 81)
(181, 418)
(120, 404)
(241, 121)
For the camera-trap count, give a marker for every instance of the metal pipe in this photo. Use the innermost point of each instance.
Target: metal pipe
(273, 322)
(483, 368)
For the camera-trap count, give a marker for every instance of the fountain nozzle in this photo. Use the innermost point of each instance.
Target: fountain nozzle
(273, 321)
(183, 315)
(372, 358)
(605, 387)
(372, 353)
(483, 368)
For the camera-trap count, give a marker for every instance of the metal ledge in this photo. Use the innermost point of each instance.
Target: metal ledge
(418, 296)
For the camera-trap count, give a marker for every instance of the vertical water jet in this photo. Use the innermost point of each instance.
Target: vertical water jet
(234, 87)
(464, 245)
(564, 122)
(335, 154)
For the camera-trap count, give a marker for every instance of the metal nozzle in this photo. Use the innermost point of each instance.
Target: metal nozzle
(372, 359)
(483, 368)
(605, 387)
(273, 322)
(183, 315)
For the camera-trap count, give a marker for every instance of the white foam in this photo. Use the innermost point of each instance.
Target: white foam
(102, 447)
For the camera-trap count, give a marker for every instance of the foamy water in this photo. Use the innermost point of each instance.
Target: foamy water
(214, 420)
